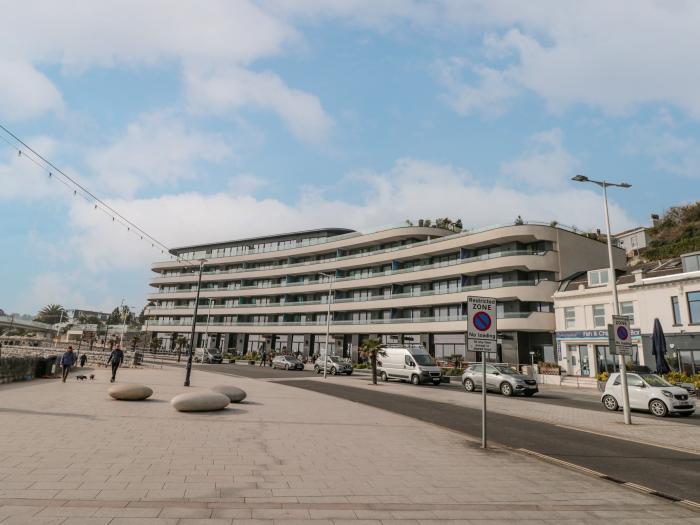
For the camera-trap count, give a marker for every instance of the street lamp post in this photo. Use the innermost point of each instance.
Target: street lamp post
(328, 322)
(194, 323)
(616, 305)
(532, 363)
(206, 329)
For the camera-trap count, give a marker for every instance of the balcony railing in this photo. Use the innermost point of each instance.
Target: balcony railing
(397, 320)
(416, 268)
(422, 293)
(334, 238)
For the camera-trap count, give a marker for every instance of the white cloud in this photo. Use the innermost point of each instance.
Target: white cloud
(612, 56)
(213, 43)
(233, 88)
(490, 96)
(411, 189)
(52, 288)
(246, 184)
(25, 92)
(156, 150)
(546, 165)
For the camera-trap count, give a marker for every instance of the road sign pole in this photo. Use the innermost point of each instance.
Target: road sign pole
(483, 399)
(481, 337)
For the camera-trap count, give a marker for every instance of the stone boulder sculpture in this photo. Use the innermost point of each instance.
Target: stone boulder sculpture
(236, 395)
(130, 392)
(199, 402)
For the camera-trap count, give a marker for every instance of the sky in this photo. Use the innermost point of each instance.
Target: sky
(205, 122)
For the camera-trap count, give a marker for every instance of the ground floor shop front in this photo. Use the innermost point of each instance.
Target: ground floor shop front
(516, 347)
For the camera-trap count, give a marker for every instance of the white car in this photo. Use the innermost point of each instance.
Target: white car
(648, 392)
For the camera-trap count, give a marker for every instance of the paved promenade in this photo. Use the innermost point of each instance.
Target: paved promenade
(71, 455)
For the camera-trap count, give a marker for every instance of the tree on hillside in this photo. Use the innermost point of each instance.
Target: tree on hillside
(51, 314)
(373, 347)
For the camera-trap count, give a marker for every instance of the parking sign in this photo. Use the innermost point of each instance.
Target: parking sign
(620, 335)
(481, 324)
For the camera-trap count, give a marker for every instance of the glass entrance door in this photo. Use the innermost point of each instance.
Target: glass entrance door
(583, 360)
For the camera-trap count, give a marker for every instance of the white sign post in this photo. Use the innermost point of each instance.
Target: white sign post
(481, 337)
(620, 339)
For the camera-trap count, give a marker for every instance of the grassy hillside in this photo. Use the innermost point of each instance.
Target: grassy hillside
(678, 232)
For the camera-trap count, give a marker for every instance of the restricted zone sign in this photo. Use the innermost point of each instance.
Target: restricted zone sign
(481, 324)
(620, 335)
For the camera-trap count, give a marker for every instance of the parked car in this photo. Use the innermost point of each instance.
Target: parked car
(210, 355)
(411, 363)
(500, 378)
(648, 392)
(287, 362)
(334, 366)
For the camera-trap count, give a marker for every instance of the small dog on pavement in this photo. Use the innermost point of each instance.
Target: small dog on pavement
(92, 376)
(81, 378)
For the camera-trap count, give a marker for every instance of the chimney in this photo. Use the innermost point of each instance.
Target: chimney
(654, 220)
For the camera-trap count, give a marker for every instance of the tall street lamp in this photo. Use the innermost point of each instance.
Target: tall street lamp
(616, 305)
(194, 323)
(206, 330)
(328, 321)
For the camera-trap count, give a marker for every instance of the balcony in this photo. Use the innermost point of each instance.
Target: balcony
(352, 279)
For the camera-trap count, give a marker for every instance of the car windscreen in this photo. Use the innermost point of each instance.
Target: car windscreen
(507, 370)
(424, 359)
(654, 380)
(334, 359)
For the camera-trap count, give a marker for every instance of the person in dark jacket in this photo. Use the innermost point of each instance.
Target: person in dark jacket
(116, 358)
(67, 362)
(83, 360)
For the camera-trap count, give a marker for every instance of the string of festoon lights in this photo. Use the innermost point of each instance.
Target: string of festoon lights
(79, 190)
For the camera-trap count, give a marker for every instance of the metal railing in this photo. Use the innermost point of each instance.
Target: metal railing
(422, 293)
(338, 322)
(385, 273)
(464, 233)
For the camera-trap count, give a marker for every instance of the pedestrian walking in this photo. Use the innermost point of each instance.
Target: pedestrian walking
(269, 359)
(83, 360)
(67, 362)
(115, 358)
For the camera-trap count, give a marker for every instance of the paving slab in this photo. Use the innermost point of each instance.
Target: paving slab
(283, 456)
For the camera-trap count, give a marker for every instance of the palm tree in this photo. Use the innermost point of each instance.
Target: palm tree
(372, 347)
(134, 342)
(154, 344)
(51, 313)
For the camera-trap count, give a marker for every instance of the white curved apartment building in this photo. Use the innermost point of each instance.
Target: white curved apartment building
(402, 284)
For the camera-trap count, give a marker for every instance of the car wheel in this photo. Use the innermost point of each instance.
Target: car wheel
(658, 408)
(415, 380)
(529, 393)
(333, 371)
(469, 385)
(506, 389)
(350, 373)
(436, 382)
(384, 377)
(610, 403)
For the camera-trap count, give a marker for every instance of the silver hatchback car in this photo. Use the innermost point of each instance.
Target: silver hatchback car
(499, 378)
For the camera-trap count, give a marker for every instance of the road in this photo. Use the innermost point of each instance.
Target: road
(667, 471)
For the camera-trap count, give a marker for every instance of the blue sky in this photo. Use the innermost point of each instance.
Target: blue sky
(203, 124)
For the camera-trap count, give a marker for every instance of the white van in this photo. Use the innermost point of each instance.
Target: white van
(408, 363)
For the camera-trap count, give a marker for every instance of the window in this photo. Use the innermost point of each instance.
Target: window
(598, 278)
(569, 317)
(598, 315)
(627, 309)
(676, 310)
(694, 306)
(691, 263)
